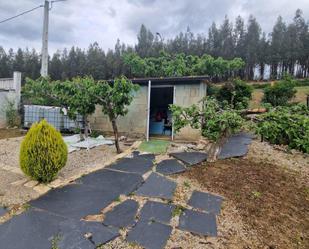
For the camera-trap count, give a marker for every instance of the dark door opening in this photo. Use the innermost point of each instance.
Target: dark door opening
(160, 119)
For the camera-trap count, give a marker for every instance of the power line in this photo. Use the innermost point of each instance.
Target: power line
(23, 13)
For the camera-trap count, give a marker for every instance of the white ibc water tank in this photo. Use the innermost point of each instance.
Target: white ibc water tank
(52, 114)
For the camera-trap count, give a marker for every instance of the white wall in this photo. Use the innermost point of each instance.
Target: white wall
(10, 89)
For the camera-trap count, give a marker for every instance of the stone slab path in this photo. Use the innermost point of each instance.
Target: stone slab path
(56, 218)
(3, 211)
(170, 167)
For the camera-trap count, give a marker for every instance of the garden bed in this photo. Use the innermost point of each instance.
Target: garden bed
(269, 191)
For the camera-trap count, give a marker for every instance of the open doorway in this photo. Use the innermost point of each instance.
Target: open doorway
(160, 118)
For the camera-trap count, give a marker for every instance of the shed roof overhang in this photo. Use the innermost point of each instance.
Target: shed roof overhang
(171, 80)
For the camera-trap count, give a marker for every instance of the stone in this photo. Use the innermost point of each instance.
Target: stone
(30, 230)
(206, 201)
(113, 181)
(198, 222)
(157, 211)
(19, 182)
(31, 184)
(170, 166)
(139, 165)
(123, 215)
(98, 233)
(91, 194)
(236, 146)
(190, 158)
(157, 186)
(75, 201)
(41, 188)
(3, 211)
(37, 229)
(150, 235)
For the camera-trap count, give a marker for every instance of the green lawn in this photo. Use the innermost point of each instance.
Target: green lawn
(154, 146)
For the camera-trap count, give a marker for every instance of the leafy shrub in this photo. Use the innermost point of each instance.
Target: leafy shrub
(237, 94)
(287, 126)
(212, 90)
(215, 122)
(43, 152)
(11, 113)
(280, 93)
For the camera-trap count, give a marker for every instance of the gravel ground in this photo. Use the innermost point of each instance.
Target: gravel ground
(78, 162)
(234, 230)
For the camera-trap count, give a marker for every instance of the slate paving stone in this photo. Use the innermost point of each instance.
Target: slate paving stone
(3, 211)
(190, 158)
(36, 229)
(150, 235)
(123, 215)
(75, 201)
(147, 156)
(206, 201)
(157, 186)
(113, 181)
(138, 165)
(157, 211)
(170, 166)
(236, 146)
(32, 229)
(100, 234)
(198, 222)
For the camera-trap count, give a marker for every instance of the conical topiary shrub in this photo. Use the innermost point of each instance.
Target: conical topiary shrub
(43, 152)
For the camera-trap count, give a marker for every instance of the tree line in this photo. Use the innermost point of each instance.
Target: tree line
(284, 50)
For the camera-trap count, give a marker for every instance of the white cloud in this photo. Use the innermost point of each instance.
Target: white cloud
(81, 22)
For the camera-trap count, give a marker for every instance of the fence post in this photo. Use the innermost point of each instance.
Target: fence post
(17, 86)
(308, 101)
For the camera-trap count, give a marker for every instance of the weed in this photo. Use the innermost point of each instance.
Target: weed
(256, 194)
(118, 199)
(26, 206)
(187, 184)
(56, 239)
(178, 210)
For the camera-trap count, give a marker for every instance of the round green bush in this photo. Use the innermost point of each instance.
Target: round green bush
(43, 152)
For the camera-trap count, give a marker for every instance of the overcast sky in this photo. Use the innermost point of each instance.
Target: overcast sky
(81, 22)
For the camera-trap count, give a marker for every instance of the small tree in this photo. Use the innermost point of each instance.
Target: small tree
(215, 122)
(114, 97)
(77, 97)
(280, 93)
(237, 94)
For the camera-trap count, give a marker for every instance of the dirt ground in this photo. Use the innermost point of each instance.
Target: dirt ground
(266, 195)
(271, 197)
(9, 133)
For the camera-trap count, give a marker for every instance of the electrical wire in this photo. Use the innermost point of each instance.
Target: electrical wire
(23, 13)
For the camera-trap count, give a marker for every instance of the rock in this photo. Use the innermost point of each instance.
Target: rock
(123, 138)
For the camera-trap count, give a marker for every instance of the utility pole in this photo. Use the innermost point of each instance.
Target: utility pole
(44, 65)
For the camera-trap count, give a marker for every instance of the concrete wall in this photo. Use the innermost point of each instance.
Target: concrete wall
(10, 89)
(135, 122)
(185, 96)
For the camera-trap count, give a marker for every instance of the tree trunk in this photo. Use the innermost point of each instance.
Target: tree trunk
(86, 128)
(215, 149)
(115, 129)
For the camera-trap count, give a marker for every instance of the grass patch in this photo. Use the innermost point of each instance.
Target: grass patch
(154, 146)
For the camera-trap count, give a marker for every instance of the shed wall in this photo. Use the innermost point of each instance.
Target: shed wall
(135, 122)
